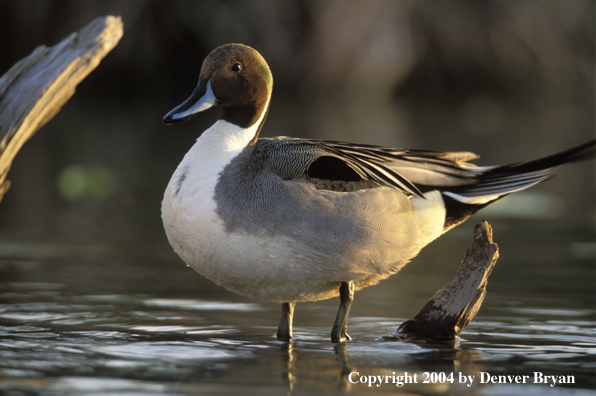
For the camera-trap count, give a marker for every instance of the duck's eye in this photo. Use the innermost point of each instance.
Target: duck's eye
(236, 67)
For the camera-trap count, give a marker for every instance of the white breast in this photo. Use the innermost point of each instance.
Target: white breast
(188, 207)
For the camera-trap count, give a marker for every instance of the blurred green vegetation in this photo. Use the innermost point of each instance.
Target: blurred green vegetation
(76, 182)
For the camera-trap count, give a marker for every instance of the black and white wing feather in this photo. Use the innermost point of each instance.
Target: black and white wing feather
(415, 171)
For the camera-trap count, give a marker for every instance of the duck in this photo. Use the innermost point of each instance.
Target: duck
(294, 220)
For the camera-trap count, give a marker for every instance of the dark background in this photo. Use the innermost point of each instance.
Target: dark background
(509, 80)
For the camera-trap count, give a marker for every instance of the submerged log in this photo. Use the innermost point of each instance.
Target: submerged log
(450, 310)
(34, 89)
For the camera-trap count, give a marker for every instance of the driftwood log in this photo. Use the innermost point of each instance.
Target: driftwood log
(450, 310)
(34, 89)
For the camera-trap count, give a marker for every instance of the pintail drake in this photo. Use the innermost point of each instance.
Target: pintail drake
(295, 220)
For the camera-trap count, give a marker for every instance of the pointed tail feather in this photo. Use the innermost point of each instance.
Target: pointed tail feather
(500, 181)
(507, 179)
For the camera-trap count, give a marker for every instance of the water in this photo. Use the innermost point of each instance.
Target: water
(99, 320)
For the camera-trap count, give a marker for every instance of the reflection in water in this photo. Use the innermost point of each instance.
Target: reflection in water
(288, 364)
(347, 366)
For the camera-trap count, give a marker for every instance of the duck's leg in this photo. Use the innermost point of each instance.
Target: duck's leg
(339, 332)
(284, 331)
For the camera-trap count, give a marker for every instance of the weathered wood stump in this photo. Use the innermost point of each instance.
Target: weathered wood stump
(450, 310)
(35, 88)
